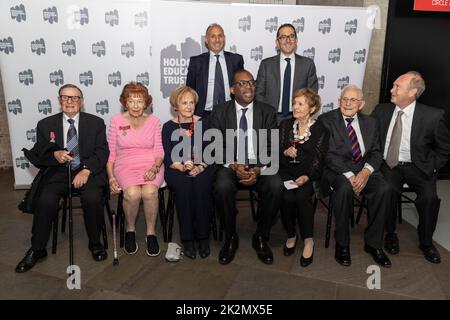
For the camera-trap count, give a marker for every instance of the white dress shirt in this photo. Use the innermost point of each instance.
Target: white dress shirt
(283, 65)
(66, 126)
(211, 77)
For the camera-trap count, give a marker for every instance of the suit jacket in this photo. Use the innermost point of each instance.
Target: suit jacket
(430, 137)
(92, 144)
(197, 76)
(268, 82)
(224, 117)
(339, 156)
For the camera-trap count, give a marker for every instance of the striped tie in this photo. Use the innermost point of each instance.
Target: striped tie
(356, 150)
(72, 145)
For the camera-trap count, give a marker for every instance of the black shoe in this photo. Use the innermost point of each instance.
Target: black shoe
(226, 254)
(342, 255)
(98, 252)
(189, 249)
(203, 248)
(391, 243)
(304, 262)
(262, 249)
(152, 246)
(431, 253)
(378, 256)
(30, 259)
(289, 251)
(130, 246)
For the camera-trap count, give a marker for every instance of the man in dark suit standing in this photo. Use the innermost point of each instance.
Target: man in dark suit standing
(210, 73)
(279, 76)
(245, 114)
(415, 143)
(352, 164)
(76, 139)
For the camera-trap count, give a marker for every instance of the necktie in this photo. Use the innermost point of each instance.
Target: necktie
(356, 150)
(394, 144)
(72, 145)
(243, 139)
(219, 87)
(285, 102)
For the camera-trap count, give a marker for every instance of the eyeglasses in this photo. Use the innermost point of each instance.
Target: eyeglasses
(244, 83)
(351, 100)
(73, 98)
(291, 37)
(134, 102)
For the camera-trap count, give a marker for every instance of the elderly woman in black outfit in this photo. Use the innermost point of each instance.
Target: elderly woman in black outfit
(303, 145)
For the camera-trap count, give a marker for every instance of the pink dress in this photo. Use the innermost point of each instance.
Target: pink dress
(134, 151)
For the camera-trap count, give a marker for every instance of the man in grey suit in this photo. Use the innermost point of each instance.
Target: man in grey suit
(279, 76)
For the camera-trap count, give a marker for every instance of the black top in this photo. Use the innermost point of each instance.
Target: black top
(310, 154)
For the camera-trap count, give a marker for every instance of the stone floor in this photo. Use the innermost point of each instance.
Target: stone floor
(143, 277)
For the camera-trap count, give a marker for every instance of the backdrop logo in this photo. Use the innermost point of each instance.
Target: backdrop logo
(45, 106)
(127, 49)
(299, 24)
(50, 15)
(38, 46)
(174, 64)
(233, 48)
(22, 163)
(86, 78)
(343, 82)
(351, 26)
(271, 24)
(26, 77)
(57, 77)
(15, 106)
(31, 135)
(360, 56)
(321, 81)
(102, 107)
(309, 53)
(81, 16)
(327, 107)
(325, 26)
(7, 45)
(334, 55)
(18, 13)
(256, 53)
(245, 23)
(143, 78)
(99, 48)
(141, 19)
(112, 18)
(115, 79)
(69, 47)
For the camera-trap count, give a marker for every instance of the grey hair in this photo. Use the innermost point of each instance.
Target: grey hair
(417, 82)
(353, 87)
(212, 25)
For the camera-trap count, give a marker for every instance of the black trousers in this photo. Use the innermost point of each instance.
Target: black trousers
(297, 206)
(91, 196)
(427, 202)
(379, 197)
(193, 200)
(226, 186)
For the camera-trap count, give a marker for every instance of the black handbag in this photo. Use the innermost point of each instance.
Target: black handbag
(27, 205)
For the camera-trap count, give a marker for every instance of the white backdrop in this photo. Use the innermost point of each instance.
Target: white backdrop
(102, 45)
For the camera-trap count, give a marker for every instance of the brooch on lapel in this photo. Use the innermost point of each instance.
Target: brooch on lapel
(124, 129)
(52, 136)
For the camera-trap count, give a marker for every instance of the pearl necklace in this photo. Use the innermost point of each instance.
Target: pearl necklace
(302, 137)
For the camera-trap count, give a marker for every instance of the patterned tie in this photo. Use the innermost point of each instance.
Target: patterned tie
(394, 144)
(219, 87)
(285, 102)
(356, 150)
(243, 139)
(72, 145)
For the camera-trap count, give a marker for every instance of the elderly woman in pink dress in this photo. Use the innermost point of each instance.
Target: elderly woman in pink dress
(135, 163)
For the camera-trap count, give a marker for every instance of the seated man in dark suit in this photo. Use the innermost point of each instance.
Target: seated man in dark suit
(415, 142)
(210, 73)
(79, 139)
(246, 114)
(352, 164)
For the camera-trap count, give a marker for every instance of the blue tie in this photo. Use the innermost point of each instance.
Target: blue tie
(285, 102)
(243, 139)
(356, 150)
(219, 87)
(72, 145)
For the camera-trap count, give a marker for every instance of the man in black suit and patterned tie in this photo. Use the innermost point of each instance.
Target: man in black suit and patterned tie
(210, 73)
(415, 143)
(352, 167)
(77, 138)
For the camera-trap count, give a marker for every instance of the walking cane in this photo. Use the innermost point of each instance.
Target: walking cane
(116, 259)
(69, 173)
